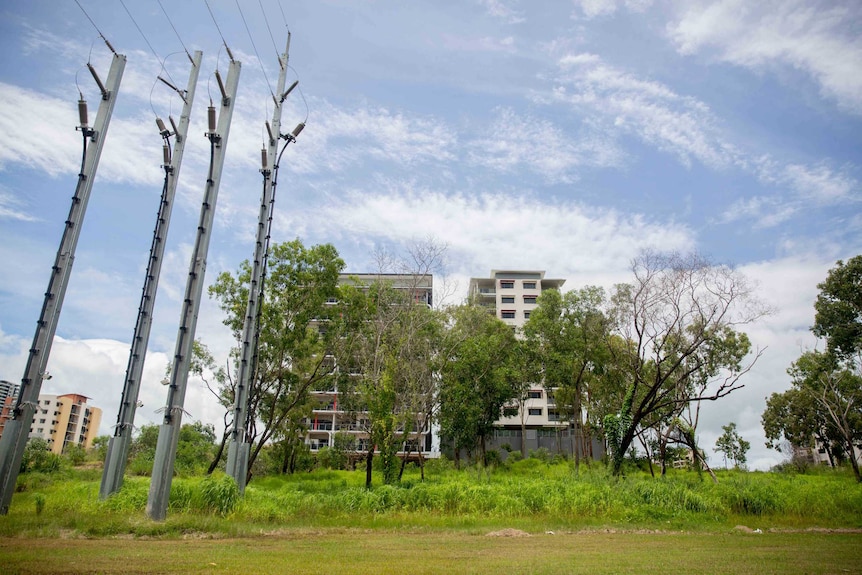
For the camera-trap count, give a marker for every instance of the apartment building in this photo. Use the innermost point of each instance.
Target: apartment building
(8, 397)
(511, 295)
(328, 418)
(64, 420)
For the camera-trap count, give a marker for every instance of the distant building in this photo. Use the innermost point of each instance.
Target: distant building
(511, 295)
(8, 396)
(64, 420)
(329, 418)
(8, 389)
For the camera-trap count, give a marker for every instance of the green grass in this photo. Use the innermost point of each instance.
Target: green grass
(529, 494)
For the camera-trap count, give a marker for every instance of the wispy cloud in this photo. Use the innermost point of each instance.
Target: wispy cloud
(596, 8)
(503, 10)
(516, 143)
(819, 38)
(653, 112)
(12, 208)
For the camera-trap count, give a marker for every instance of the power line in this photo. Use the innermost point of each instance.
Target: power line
(175, 32)
(266, 21)
(96, 27)
(259, 61)
(283, 19)
(144, 36)
(230, 55)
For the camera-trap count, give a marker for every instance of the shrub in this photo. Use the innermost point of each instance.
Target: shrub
(39, 500)
(218, 493)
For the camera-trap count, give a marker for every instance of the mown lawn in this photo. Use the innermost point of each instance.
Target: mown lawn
(448, 551)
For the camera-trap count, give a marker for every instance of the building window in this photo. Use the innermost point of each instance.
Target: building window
(534, 394)
(41, 421)
(535, 411)
(507, 284)
(507, 314)
(529, 299)
(529, 285)
(526, 314)
(507, 299)
(553, 415)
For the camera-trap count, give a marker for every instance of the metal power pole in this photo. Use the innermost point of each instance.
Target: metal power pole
(118, 446)
(169, 431)
(238, 448)
(17, 429)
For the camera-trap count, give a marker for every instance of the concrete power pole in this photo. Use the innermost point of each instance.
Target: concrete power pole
(118, 447)
(238, 448)
(169, 431)
(17, 429)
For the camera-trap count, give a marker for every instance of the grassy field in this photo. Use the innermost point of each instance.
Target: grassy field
(327, 521)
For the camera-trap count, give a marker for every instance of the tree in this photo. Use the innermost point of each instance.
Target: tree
(569, 332)
(477, 377)
(732, 445)
(795, 419)
(291, 354)
(679, 318)
(837, 392)
(839, 309)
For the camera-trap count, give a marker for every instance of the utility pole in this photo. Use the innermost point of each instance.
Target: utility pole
(238, 448)
(118, 446)
(169, 431)
(17, 429)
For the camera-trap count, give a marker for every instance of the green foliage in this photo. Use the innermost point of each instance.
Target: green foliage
(839, 308)
(75, 454)
(732, 445)
(38, 457)
(219, 493)
(99, 449)
(39, 501)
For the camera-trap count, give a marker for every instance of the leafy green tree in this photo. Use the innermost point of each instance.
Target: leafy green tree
(291, 355)
(39, 457)
(837, 392)
(839, 309)
(75, 454)
(477, 377)
(195, 447)
(99, 448)
(679, 318)
(569, 332)
(794, 417)
(732, 445)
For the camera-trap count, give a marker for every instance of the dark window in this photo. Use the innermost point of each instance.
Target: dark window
(508, 299)
(534, 394)
(529, 285)
(553, 415)
(535, 411)
(526, 314)
(507, 314)
(507, 284)
(529, 299)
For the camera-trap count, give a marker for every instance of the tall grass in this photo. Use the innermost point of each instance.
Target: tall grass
(529, 493)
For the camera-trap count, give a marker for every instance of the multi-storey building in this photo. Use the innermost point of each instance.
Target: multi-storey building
(511, 295)
(329, 418)
(64, 420)
(534, 422)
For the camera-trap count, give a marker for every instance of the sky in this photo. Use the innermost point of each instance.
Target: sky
(564, 136)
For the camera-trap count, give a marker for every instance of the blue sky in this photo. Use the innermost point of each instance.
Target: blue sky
(563, 136)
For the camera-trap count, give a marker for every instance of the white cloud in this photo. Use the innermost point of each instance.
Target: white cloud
(516, 143)
(651, 111)
(501, 9)
(596, 8)
(12, 208)
(818, 38)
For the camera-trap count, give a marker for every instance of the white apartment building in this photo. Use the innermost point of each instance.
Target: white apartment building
(328, 418)
(511, 295)
(66, 419)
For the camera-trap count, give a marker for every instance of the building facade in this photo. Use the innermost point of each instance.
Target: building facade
(329, 418)
(64, 420)
(511, 295)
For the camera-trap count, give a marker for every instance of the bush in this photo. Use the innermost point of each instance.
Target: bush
(37, 457)
(542, 454)
(218, 493)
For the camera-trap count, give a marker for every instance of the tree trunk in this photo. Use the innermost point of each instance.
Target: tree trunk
(218, 455)
(368, 459)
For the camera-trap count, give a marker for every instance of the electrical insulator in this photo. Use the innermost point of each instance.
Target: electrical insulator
(269, 131)
(173, 124)
(161, 126)
(299, 128)
(263, 158)
(211, 115)
(82, 112)
(289, 90)
(221, 85)
(166, 153)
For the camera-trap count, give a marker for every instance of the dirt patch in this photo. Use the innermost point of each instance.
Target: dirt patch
(509, 533)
